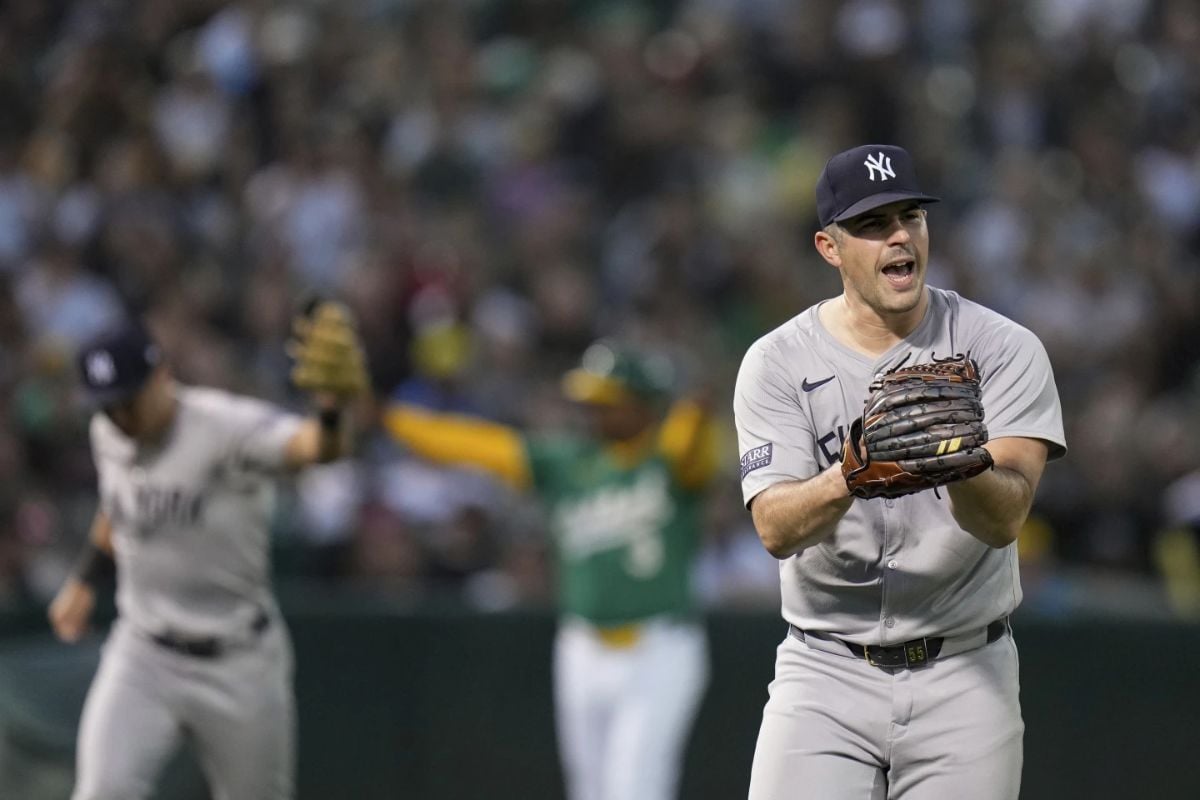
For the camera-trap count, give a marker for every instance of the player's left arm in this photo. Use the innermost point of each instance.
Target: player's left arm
(1024, 422)
(690, 442)
(993, 505)
(323, 437)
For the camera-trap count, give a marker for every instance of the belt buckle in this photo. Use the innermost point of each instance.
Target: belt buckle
(886, 659)
(867, 655)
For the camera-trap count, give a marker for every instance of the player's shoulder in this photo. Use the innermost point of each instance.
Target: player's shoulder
(219, 407)
(985, 332)
(787, 341)
(106, 439)
(206, 400)
(974, 318)
(211, 399)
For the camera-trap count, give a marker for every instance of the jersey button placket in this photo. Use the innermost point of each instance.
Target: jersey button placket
(886, 579)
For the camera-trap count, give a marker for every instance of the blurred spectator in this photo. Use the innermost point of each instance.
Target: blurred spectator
(493, 185)
(60, 301)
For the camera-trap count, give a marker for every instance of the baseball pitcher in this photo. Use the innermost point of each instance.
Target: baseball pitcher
(199, 652)
(892, 440)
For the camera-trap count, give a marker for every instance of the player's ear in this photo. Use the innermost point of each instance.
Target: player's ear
(828, 244)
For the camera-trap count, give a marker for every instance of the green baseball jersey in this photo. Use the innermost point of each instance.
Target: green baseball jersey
(625, 535)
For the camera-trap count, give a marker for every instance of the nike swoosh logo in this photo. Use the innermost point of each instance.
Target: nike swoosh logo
(808, 387)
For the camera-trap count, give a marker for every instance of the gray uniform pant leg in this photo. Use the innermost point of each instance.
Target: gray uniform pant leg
(128, 730)
(965, 734)
(241, 715)
(837, 728)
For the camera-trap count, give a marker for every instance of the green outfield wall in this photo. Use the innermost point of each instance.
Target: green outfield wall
(456, 706)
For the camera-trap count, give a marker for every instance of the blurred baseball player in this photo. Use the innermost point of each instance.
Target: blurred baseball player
(898, 677)
(199, 652)
(623, 505)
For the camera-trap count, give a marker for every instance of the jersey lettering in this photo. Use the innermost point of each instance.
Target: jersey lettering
(835, 455)
(161, 506)
(619, 517)
(756, 457)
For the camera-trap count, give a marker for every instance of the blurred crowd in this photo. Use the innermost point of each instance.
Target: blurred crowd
(492, 184)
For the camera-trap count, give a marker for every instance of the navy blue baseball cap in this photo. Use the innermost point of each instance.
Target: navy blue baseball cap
(858, 180)
(116, 364)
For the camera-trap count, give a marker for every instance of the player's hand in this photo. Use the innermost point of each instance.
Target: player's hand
(71, 610)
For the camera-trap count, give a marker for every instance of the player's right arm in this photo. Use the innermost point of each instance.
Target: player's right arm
(793, 502)
(456, 439)
(71, 610)
(792, 515)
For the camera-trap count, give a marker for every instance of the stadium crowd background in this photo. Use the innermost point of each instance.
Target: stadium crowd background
(493, 184)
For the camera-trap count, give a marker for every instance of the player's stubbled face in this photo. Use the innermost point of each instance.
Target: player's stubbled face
(884, 254)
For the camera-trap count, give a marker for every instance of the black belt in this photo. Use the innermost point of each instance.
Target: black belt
(909, 654)
(208, 646)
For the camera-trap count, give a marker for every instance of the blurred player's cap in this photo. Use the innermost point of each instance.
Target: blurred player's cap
(114, 365)
(858, 180)
(609, 374)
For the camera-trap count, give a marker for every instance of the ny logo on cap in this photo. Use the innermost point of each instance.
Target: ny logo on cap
(100, 368)
(881, 164)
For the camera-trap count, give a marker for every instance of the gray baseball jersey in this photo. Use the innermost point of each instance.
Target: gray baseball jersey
(897, 569)
(190, 516)
(190, 530)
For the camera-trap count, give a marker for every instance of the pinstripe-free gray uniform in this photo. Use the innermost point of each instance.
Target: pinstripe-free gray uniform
(190, 532)
(894, 570)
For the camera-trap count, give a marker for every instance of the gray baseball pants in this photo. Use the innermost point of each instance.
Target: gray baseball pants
(236, 709)
(837, 728)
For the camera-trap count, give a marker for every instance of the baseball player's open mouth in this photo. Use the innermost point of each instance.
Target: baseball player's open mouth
(900, 272)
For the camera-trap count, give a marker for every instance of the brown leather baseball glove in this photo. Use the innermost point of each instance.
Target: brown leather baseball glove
(922, 427)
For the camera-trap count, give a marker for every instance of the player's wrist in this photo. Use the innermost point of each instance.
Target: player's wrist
(330, 419)
(835, 478)
(94, 566)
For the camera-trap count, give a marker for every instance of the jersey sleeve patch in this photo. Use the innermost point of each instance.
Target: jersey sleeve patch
(756, 457)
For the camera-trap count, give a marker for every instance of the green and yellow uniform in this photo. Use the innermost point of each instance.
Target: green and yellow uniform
(630, 660)
(624, 516)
